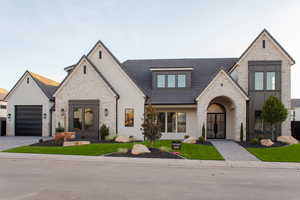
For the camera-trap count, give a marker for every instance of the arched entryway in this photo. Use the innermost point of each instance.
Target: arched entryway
(216, 121)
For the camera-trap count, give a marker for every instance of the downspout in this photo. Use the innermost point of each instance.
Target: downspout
(117, 100)
(50, 128)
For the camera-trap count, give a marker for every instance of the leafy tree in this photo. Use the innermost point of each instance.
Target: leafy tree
(242, 132)
(274, 112)
(151, 125)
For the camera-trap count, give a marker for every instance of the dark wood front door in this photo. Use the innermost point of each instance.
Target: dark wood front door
(84, 118)
(216, 126)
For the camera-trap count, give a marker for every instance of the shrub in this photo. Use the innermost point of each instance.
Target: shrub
(242, 133)
(186, 136)
(59, 128)
(203, 131)
(131, 138)
(104, 132)
(201, 139)
(254, 141)
(261, 137)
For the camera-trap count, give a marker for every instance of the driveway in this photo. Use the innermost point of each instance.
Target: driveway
(78, 177)
(7, 142)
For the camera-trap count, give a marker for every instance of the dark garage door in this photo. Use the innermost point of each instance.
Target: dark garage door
(28, 120)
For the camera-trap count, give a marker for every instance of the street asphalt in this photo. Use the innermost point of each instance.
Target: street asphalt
(45, 177)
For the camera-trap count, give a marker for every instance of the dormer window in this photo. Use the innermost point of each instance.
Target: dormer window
(161, 81)
(171, 81)
(181, 81)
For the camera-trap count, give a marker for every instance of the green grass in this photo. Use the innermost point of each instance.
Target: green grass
(190, 151)
(278, 154)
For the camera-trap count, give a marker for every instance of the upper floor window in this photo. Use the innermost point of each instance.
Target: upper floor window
(259, 81)
(161, 81)
(271, 80)
(171, 81)
(181, 81)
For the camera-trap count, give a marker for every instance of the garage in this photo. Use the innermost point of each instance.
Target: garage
(28, 120)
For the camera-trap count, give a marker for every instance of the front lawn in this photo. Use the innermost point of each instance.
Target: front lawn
(278, 154)
(189, 151)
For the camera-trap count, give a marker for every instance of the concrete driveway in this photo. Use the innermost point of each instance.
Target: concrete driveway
(7, 142)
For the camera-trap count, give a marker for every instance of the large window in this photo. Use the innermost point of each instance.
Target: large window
(77, 118)
(171, 81)
(181, 83)
(271, 80)
(259, 81)
(129, 117)
(172, 122)
(161, 81)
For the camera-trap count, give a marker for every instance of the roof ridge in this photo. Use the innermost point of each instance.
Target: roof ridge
(212, 58)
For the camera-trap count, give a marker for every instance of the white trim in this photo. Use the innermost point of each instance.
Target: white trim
(173, 69)
(217, 76)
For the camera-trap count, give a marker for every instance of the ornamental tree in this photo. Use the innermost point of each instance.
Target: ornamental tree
(151, 125)
(274, 112)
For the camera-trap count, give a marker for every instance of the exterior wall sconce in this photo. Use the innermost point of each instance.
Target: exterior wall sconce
(62, 112)
(9, 116)
(105, 112)
(45, 115)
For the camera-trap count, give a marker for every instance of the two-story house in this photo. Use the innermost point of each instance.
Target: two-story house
(217, 93)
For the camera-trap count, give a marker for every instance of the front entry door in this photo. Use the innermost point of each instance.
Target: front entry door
(216, 126)
(84, 119)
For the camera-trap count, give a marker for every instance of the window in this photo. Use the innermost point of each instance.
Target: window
(181, 122)
(162, 121)
(84, 69)
(171, 81)
(129, 117)
(181, 81)
(172, 122)
(2, 106)
(100, 54)
(27, 80)
(271, 80)
(264, 44)
(161, 81)
(88, 118)
(77, 118)
(259, 81)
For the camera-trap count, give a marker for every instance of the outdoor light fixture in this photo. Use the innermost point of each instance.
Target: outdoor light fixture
(62, 112)
(105, 112)
(45, 115)
(9, 116)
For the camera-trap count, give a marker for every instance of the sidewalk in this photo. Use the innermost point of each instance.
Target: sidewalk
(149, 162)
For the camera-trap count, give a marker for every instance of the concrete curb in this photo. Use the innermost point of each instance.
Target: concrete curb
(177, 163)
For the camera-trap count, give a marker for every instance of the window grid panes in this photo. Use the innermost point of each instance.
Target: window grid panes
(271, 80)
(181, 81)
(161, 81)
(259, 81)
(171, 81)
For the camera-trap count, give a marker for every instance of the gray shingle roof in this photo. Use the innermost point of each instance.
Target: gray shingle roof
(295, 103)
(204, 70)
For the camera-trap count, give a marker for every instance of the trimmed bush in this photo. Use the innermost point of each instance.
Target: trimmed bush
(104, 132)
(186, 136)
(201, 139)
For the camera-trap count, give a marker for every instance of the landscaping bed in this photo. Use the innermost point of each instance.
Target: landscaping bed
(155, 153)
(256, 145)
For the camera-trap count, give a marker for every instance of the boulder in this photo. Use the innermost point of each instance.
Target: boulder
(266, 142)
(287, 139)
(190, 140)
(139, 149)
(122, 139)
(75, 143)
(64, 136)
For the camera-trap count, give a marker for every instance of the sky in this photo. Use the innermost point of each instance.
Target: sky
(46, 36)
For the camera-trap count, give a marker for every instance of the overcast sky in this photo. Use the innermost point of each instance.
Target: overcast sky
(46, 36)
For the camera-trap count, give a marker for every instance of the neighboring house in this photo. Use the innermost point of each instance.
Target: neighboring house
(218, 93)
(295, 104)
(30, 106)
(3, 112)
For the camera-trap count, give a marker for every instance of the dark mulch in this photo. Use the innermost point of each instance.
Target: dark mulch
(155, 153)
(52, 143)
(250, 145)
(208, 143)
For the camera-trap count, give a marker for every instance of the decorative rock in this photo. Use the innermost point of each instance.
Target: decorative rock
(139, 149)
(287, 139)
(75, 143)
(64, 136)
(122, 139)
(266, 142)
(190, 140)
